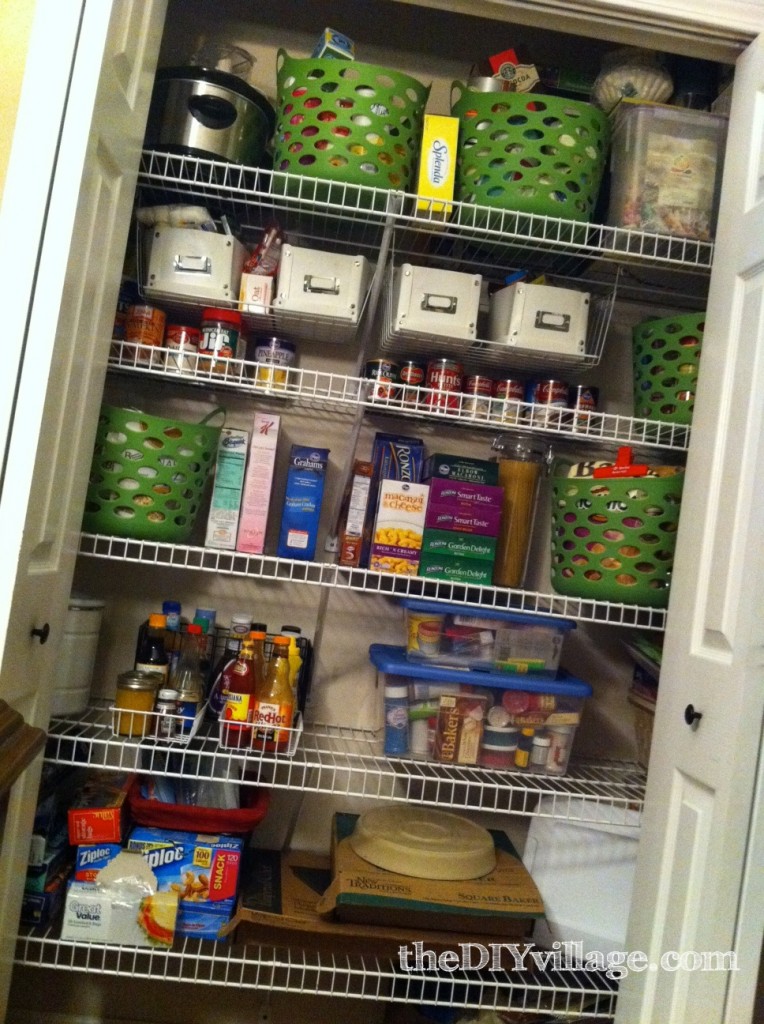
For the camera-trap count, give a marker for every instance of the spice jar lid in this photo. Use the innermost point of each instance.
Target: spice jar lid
(229, 316)
(167, 693)
(139, 680)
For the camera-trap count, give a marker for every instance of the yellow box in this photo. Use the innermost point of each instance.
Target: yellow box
(437, 165)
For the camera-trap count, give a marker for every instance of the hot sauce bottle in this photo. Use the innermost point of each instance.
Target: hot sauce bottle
(274, 704)
(236, 718)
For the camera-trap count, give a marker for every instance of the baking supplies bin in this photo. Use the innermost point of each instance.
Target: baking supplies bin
(613, 537)
(347, 121)
(666, 360)
(529, 152)
(148, 474)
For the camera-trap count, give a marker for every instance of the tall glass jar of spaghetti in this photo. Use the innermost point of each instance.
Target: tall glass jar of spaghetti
(521, 466)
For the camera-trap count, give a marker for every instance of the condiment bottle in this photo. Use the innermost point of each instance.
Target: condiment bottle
(188, 678)
(295, 658)
(240, 627)
(236, 719)
(166, 714)
(172, 636)
(134, 700)
(524, 746)
(258, 638)
(520, 469)
(152, 657)
(274, 707)
(540, 752)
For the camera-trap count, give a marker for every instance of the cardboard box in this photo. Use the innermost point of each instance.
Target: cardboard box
(456, 570)
(393, 457)
(192, 264)
(91, 857)
(99, 812)
(485, 522)
(459, 731)
(258, 484)
(397, 540)
(504, 902)
(304, 495)
(255, 293)
(466, 495)
(437, 165)
(40, 909)
(278, 906)
(334, 44)
(460, 545)
(353, 513)
(462, 468)
(225, 506)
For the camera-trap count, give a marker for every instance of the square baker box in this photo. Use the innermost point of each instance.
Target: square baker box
(190, 264)
(666, 165)
(540, 318)
(434, 301)
(326, 284)
(463, 637)
(515, 712)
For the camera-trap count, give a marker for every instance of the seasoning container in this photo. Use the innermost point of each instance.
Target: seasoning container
(479, 389)
(384, 373)
(445, 377)
(506, 393)
(144, 331)
(560, 739)
(134, 702)
(221, 339)
(411, 373)
(182, 343)
(524, 747)
(276, 356)
(540, 752)
(521, 464)
(166, 721)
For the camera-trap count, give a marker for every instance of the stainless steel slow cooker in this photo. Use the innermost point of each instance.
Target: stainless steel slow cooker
(209, 113)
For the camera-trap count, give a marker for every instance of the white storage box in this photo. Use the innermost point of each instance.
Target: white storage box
(322, 283)
(442, 302)
(192, 264)
(540, 318)
(584, 872)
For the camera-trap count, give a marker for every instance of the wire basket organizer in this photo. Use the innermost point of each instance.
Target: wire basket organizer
(148, 474)
(529, 152)
(666, 359)
(348, 122)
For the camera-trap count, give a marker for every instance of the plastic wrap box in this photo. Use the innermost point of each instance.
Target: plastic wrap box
(666, 165)
(540, 318)
(521, 723)
(431, 301)
(463, 637)
(321, 283)
(192, 264)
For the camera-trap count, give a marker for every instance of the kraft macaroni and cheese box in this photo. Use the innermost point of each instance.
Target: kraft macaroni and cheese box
(223, 519)
(258, 483)
(397, 539)
(202, 869)
(437, 165)
(302, 502)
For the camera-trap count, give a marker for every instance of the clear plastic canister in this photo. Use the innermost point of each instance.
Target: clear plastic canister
(73, 672)
(521, 465)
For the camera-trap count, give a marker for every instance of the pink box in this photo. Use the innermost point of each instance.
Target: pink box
(483, 521)
(258, 482)
(472, 496)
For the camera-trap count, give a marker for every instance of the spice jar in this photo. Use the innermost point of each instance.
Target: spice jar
(221, 339)
(520, 468)
(167, 714)
(134, 701)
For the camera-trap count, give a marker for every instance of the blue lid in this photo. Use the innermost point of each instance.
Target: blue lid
(388, 658)
(415, 604)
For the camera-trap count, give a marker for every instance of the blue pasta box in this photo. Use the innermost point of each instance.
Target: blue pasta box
(303, 498)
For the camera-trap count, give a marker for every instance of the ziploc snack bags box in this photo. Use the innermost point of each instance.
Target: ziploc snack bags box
(302, 502)
(202, 869)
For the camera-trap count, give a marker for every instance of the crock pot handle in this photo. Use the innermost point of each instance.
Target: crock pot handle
(212, 111)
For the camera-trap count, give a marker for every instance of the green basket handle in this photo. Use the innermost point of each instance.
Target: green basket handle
(281, 57)
(462, 89)
(215, 412)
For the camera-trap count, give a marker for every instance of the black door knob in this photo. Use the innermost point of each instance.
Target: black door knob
(42, 634)
(691, 716)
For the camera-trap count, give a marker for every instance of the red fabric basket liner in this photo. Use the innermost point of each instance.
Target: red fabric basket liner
(189, 818)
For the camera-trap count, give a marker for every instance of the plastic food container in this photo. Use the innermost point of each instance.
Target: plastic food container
(460, 636)
(489, 719)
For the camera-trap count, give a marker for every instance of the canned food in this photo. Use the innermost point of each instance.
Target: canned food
(183, 345)
(582, 399)
(479, 390)
(547, 396)
(411, 373)
(445, 377)
(507, 392)
(276, 355)
(384, 373)
(144, 326)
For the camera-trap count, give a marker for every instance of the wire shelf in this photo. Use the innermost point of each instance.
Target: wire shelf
(320, 390)
(350, 762)
(569, 993)
(325, 574)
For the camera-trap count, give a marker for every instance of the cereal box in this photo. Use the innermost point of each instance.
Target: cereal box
(397, 538)
(258, 482)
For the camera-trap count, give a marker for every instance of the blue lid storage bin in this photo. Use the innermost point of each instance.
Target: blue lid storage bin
(483, 639)
(492, 719)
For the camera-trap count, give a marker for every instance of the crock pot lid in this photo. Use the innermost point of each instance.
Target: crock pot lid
(223, 79)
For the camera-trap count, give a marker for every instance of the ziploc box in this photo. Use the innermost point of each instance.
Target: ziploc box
(225, 506)
(258, 483)
(202, 869)
(302, 502)
(397, 540)
(437, 165)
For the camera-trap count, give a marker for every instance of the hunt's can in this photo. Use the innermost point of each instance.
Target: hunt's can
(582, 400)
(506, 392)
(384, 373)
(411, 373)
(479, 390)
(445, 377)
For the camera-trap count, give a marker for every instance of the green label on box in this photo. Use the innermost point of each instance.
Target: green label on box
(459, 545)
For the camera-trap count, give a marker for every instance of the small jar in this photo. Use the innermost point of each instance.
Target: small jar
(189, 705)
(276, 356)
(221, 339)
(134, 701)
(540, 752)
(166, 725)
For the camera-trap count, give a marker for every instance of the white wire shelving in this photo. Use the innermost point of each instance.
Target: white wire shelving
(568, 993)
(350, 762)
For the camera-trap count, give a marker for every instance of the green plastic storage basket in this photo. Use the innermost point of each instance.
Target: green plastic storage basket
(528, 152)
(666, 359)
(148, 474)
(613, 539)
(348, 122)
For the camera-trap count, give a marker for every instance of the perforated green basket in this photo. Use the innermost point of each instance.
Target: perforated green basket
(148, 474)
(529, 152)
(613, 539)
(348, 122)
(666, 359)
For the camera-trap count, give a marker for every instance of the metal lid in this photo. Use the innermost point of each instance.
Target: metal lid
(139, 680)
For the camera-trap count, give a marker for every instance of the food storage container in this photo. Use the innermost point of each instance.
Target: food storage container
(431, 301)
(317, 283)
